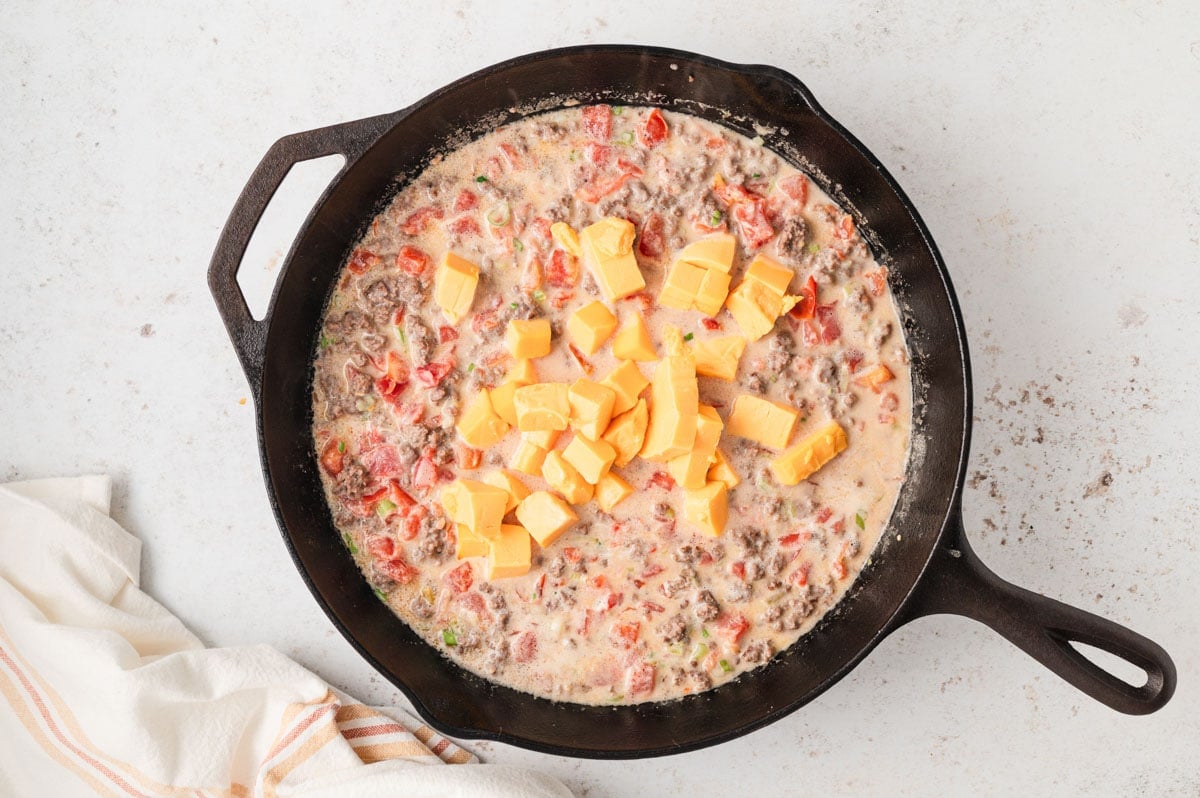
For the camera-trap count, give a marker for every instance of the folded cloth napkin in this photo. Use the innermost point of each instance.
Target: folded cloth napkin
(104, 691)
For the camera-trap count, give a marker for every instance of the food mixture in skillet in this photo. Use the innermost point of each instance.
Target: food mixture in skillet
(611, 404)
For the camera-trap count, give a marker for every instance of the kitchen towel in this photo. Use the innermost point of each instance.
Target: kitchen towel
(102, 691)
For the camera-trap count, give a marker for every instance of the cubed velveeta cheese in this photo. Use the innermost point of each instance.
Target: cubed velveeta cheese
(754, 307)
(502, 401)
(591, 407)
(711, 252)
(562, 476)
(681, 285)
(545, 516)
(707, 509)
(722, 471)
(468, 544)
(627, 432)
(590, 326)
(672, 340)
(545, 438)
(714, 288)
(528, 338)
(527, 458)
(565, 236)
(542, 406)
(674, 399)
(611, 490)
(591, 459)
(628, 382)
(476, 505)
(766, 422)
(522, 372)
(454, 285)
(810, 454)
(718, 357)
(479, 425)
(769, 273)
(633, 341)
(507, 482)
(608, 252)
(509, 553)
(690, 469)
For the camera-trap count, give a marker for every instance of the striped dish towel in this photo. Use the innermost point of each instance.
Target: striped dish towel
(102, 691)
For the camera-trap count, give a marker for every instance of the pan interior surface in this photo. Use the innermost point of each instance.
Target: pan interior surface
(753, 101)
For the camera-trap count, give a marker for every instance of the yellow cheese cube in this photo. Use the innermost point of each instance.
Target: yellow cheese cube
(633, 341)
(502, 400)
(514, 487)
(766, 422)
(608, 251)
(810, 454)
(545, 438)
(628, 382)
(562, 476)
(543, 406)
(590, 326)
(611, 490)
(712, 292)
(522, 372)
(565, 236)
(672, 338)
(528, 338)
(527, 458)
(509, 553)
(591, 459)
(468, 544)
(690, 469)
(627, 432)
(770, 274)
(716, 357)
(711, 252)
(722, 471)
(755, 307)
(476, 505)
(591, 407)
(707, 509)
(681, 285)
(545, 516)
(454, 285)
(674, 399)
(479, 425)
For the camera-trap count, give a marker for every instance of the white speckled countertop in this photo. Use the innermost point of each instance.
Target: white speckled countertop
(1053, 154)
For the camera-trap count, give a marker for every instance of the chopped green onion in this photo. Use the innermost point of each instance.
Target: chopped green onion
(725, 666)
(448, 637)
(341, 446)
(699, 652)
(481, 179)
(379, 594)
(689, 336)
(573, 155)
(385, 508)
(715, 219)
(618, 110)
(676, 649)
(625, 139)
(512, 305)
(403, 337)
(703, 632)
(325, 341)
(499, 214)
(756, 175)
(616, 698)
(539, 295)
(813, 248)
(470, 367)
(859, 521)
(757, 141)
(517, 245)
(349, 541)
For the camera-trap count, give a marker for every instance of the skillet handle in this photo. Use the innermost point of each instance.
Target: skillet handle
(249, 335)
(957, 582)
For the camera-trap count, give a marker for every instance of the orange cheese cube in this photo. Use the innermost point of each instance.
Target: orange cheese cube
(509, 553)
(468, 544)
(591, 407)
(810, 454)
(681, 285)
(722, 471)
(627, 433)
(502, 401)
(545, 516)
(591, 459)
(522, 372)
(628, 382)
(527, 458)
(562, 476)
(543, 438)
(755, 307)
(479, 425)
(707, 509)
(542, 406)
(711, 252)
(476, 505)
(690, 469)
(454, 285)
(528, 338)
(717, 357)
(565, 236)
(674, 401)
(508, 483)
(608, 252)
(714, 288)
(611, 490)
(769, 273)
(766, 422)
(590, 326)
(633, 341)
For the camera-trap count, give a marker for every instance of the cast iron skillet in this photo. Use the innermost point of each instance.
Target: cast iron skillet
(924, 564)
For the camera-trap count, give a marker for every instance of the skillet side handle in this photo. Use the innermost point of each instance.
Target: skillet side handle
(958, 583)
(351, 140)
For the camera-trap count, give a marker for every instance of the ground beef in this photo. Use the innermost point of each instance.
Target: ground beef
(372, 342)
(433, 542)
(673, 586)
(791, 614)
(662, 511)
(791, 240)
(756, 653)
(825, 266)
(352, 481)
(420, 340)
(779, 356)
(557, 567)
(858, 301)
(673, 630)
(357, 381)
(496, 655)
(687, 553)
(707, 607)
(381, 299)
(346, 325)
(878, 334)
(738, 591)
(421, 607)
(749, 541)
(824, 370)
(755, 383)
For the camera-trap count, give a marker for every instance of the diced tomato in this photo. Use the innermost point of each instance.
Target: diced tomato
(644, 301)
(572, 554)
(399, 497)
(382, 461)
(584, 364)
(398, 316)
(600, 187)
(652, 570)
(465, 226)
(653, 129)
(510, 154)
(599, 154)
(738, 569)
(753, 223)
(661, 479)
(361, 260)
(465, 201)
(412, 260)
(838, 568)
(846, 228)
(381, 547)
(419, 219)
(650, 607)
(563, 271)
(826, 316)
(732, 627)
(653, 239)
(410, 527)
(710, 324)
(396, 367)
(629, 168)
(600, 580)
(790, 540)
(625, 634)
(877, 280)
(540, 590)
(809, 333)
(795, 187)
(526, 647)
(447, 334)
(431, 374)
(640, 678)
(714, 143)
(425, 471)
(540, 227)
(853, 358)
(824, 514)
(333, 458)
(493, 170)
(472, 602)
(807, 306)
(706, 226)
(801, 577)
(467, 457)
(398, 570)
(839, 526)
(597, 122)
(410, 412)
(461, 578)
(389, 390)
(732, 193)
(607, 602)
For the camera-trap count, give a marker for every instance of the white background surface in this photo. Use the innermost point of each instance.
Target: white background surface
(1053, 154)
